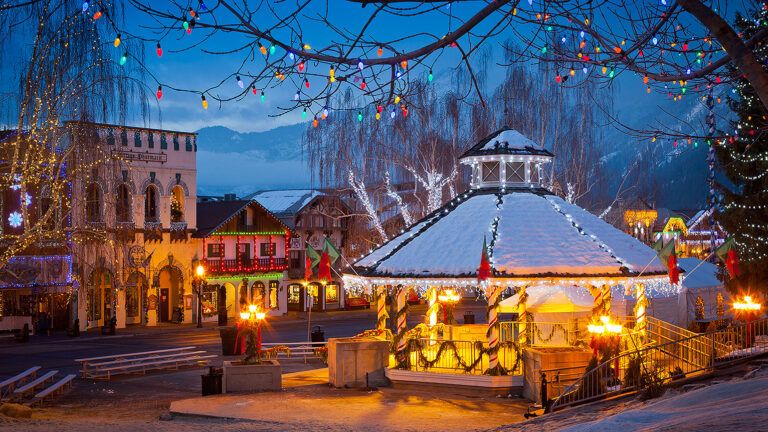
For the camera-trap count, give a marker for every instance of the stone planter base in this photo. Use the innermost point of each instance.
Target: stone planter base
(357, 362)
(241, 378)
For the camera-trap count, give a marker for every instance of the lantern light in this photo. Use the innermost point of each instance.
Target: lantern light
(240, 82)
(85, 6)
(304, 114)
(301, 66)
(430, 77)
(263, 96)
(123, 59)
(159, 92)
(359, 116)
(253, 88)
(380, 51)
(306, 82)
(272, 49)
(363, 84)
(252, 308)
(159, 50)
(117, 41)
(204, 102)
(97, 15)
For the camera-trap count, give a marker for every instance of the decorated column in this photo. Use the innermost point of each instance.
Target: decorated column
(381, 307)
(433, 306)
(606, 295)
(400, 318)
(522, 319)
(493, 329)
(641, 304)
(597, 306)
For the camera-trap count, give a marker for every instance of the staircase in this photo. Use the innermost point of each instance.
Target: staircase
(672, 353)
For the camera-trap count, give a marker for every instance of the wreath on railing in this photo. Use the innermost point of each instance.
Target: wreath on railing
(418, 345)
(555, 327)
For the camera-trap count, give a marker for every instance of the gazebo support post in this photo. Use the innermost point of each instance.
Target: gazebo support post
(641, 323)
(522, 317)
(493, 330)
(606, 289)
(381, 307)
(433, 306)
(597, 308)
(401, 323)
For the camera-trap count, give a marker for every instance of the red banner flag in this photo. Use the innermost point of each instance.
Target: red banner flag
(307, 268)
(324, 271)
(484, 271)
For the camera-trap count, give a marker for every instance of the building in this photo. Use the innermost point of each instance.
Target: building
(691, 229)
(243, 248)
(313, 216)
(128, 253)
(143, 201)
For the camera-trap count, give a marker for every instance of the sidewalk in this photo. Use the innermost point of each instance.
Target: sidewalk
(308, 403)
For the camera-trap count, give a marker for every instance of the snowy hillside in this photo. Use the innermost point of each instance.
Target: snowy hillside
(233, 162)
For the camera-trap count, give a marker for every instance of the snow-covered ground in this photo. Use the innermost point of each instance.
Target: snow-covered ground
(734, 405)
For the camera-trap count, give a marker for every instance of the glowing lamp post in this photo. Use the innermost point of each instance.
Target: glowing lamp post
(251, 321)
(605, 335)
(749, 309)
(448, 298)
(199, 281)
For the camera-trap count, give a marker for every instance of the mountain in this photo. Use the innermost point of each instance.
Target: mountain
(235, 162)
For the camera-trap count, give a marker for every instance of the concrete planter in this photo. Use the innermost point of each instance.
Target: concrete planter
(242, 378)
(353, 361)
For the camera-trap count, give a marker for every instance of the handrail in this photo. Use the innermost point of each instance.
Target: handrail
(678, 358)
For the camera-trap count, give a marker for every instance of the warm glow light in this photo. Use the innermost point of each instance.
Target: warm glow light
(252, 308)
(260, 316)
(449, 296)
(244, 315)
(747, 304)
(606, 327)
(595, 328)
(200, 271)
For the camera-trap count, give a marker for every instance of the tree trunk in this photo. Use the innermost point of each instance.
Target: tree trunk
(741, 56)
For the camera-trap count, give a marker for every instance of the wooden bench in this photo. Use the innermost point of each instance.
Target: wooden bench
(151, 364)
(28, 387)
(59, 385)
(301, 350)
(9, 385)
(89, 362)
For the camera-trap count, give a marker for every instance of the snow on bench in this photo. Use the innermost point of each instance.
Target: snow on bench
(58, 385)
(9, 385)
(92, 362)
(148, 364)
(21, 391)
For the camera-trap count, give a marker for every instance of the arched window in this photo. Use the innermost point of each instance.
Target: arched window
(123, 204)
(177, 204)
(93, 203)
(151, 204)
(699, 308)
(720, 305)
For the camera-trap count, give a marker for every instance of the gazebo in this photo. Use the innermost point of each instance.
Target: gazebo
(535, 241)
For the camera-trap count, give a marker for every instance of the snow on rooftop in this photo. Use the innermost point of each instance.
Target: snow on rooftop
(451, 246)
(698, 274)
(513, 138)
(536, 239)
(389, 246)
(536, 235)
(284, 201)
(632, 252)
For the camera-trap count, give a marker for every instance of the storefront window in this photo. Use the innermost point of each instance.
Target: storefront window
(294, 294)
(210, 300)
(331, 293)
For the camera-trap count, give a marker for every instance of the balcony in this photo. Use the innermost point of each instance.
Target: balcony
(179, 231)
(125, 231)
(96, 225)
(222, 266)
(153, 231)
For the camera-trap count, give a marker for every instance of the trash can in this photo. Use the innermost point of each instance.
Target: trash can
(211, 382)
(318, 335)
(228, 340)
(469, 317)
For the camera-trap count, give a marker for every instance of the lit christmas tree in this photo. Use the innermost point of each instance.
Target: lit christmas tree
(743, 158)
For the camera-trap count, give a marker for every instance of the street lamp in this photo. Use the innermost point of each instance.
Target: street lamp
(448, 298)
(605, 335)
(251, 321)
(200, 276)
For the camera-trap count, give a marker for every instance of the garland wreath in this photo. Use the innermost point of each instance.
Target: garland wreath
(418, 345)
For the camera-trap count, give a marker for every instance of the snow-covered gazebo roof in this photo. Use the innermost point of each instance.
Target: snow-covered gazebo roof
(531, 233)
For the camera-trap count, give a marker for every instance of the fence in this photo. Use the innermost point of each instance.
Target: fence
(459, 356)
(669, 361)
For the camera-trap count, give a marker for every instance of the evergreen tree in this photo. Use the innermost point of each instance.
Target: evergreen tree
(743, 159)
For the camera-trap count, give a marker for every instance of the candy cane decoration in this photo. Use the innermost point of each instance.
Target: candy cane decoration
(606, 295)
(522, 317)
(433, 306)
(493, 328)
(381, 308)
(401, 322)
(598, 304)
(641, 322)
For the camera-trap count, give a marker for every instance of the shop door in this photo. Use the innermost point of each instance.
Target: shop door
(163, 304)
(108, 293)
(222, 305)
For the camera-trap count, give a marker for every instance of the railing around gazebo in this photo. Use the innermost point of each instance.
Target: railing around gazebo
(459, 356)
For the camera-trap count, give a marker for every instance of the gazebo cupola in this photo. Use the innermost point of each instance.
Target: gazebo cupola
(506, 159)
